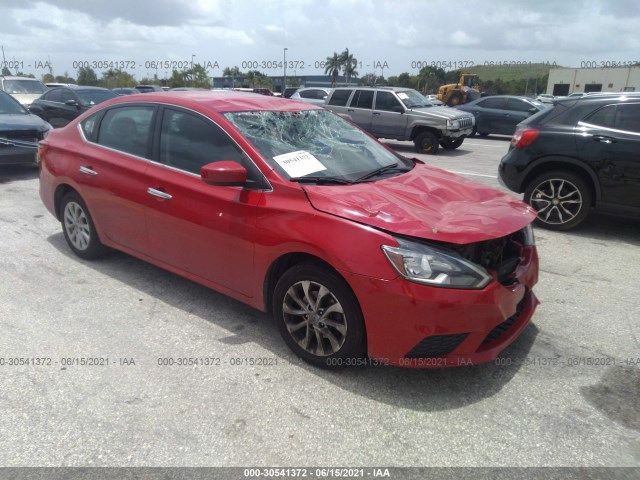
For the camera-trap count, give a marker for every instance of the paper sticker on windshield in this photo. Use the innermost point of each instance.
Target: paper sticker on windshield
(403, 96)
(299, 164)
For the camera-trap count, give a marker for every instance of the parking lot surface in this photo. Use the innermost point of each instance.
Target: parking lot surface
(107, 380)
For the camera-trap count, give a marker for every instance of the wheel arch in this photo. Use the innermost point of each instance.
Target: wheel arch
(568, 164)
(288, 260)
(61, 191)
(284, 263)
(418, 129)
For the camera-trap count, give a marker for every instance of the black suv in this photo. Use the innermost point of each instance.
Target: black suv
(582, 153)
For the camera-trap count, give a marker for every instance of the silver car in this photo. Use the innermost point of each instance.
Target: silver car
(316, 95)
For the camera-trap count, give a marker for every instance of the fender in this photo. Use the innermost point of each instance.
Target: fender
(539, 163)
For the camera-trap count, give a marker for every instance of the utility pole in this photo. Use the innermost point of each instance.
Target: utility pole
(284, 78)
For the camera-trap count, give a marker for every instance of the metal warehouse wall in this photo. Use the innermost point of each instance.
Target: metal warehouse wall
(579, 79)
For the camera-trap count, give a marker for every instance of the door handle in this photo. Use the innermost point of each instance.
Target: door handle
(376, 113)
(604, 139)
(88, 171)
(159, 194)
(350, 110)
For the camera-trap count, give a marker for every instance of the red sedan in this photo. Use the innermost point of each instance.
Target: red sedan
(360, 254)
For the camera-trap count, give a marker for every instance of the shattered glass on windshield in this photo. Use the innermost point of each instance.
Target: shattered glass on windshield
(341, 150)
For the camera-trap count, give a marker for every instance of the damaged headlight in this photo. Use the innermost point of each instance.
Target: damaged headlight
(431, 266)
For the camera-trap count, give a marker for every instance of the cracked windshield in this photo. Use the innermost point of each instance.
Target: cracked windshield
(316, 146)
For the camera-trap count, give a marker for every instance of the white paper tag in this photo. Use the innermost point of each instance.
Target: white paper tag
(299, 164)
(403, 96)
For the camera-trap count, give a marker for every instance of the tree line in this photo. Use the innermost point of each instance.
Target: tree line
(427, 81)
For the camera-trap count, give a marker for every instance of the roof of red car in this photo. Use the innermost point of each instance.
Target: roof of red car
(220, 100)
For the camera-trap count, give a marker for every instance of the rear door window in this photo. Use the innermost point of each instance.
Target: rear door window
(604, 117)
(340, 98)
(362, 99)
(127, 129)
(492, 103)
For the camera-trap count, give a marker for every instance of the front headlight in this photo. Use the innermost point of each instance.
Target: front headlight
(431, 266)
(45, 133)
(453, 124)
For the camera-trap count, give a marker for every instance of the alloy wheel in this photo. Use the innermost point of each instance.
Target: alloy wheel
(314, 318)
(557, 200)
(76, 225)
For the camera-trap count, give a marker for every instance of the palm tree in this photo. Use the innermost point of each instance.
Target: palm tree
(349, 63)
(332, 66)
(233, 73)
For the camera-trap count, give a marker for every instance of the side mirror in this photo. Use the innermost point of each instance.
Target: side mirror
(225, 173)
(36, 109)
(398, 109)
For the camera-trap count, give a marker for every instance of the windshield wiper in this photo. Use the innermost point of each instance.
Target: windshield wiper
(321, 180)
(381, 170)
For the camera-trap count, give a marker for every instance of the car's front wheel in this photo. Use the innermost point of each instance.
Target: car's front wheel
(451, 144)
(562, 199)
(78, 228)
(318, 316)
(426, 142)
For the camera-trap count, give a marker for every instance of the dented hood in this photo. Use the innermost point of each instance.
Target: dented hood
(426, 203)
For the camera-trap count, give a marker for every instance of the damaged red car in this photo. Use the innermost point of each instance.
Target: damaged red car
(360, 254)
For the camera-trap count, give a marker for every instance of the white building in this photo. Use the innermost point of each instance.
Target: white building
(563, 81)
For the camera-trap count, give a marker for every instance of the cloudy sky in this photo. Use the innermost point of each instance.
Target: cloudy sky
(144, 36)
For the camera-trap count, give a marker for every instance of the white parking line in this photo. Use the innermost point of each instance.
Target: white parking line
(486, 145)
(473, 174)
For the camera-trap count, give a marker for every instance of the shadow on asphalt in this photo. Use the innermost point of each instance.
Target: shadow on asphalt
(12, 173)
(415, 389)
(604, 227)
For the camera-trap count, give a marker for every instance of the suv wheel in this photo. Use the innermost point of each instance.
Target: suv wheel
(561, 199)
(454, 100)
(450, 143)
(318, 316)
(426, 142)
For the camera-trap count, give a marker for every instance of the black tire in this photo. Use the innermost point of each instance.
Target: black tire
(449, 144)
(482, 134)
(473, 131)
(562, 199)
(454, 100)
(78, 228)
(322, 338)
(426, 142)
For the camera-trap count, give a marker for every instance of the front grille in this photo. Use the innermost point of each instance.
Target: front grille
(466, 122)
(500, 256)
(436, 345)
(22, 135)
(503, 327)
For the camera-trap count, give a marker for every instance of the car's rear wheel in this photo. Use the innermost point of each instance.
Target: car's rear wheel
(318, 316)
(426, 142)
(79, 230)
(562, 200)
(449, 144)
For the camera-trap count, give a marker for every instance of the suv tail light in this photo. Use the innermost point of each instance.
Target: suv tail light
(524, 138)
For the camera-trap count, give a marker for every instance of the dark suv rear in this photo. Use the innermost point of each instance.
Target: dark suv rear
(580, 154)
